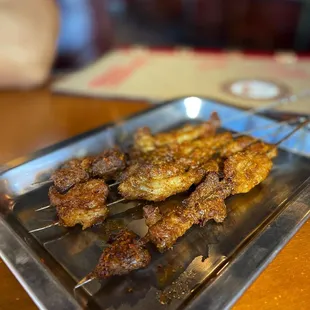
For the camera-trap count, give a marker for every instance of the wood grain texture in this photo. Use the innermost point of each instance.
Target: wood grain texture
(35, 119)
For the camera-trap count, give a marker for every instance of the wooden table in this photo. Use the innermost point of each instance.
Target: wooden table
(35, 119)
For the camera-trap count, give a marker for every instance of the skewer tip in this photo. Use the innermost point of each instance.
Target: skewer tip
(84, 281)
(44, 227)
(43, 208)
(115, 202)
(41, 182)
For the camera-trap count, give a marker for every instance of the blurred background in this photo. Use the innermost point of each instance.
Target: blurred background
(259, 25)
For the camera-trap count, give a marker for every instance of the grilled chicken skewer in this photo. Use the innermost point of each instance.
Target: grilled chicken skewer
(207, 202)
(242, 171)
(83, 204)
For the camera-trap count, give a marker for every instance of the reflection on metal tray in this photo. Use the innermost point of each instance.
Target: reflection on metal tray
(208, 268)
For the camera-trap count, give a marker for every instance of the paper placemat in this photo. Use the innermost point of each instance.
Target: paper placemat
(235, 77)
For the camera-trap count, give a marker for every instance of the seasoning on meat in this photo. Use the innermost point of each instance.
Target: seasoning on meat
(171, 170)
(84, 204)
(74, 171)
(106, 166)
(125, 254)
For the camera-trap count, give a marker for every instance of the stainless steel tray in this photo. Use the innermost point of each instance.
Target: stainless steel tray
(208, 268)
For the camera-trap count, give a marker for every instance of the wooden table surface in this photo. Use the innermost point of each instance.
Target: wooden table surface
(35, 119)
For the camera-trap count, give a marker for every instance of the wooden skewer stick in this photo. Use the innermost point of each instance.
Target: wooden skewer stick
(301, 125)
(50, 181)
(108, 205)
(84, 281)
(43, 208)
(41, 182)
(44, 227)
(57, 223)
(270, 126)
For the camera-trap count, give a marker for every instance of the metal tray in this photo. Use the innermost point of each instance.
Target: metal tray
(208, 268)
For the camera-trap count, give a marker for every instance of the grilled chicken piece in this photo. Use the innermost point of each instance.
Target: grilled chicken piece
(106, 166)
(84, 204)
(145, 141)
(157, 175)
(125, 254)
(246, 169)
(205, 203)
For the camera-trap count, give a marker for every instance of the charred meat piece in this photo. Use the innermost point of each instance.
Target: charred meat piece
(145, 141)
(84, 204)
(72, 172)
(125, 254)
(108, 165)
(205, 203)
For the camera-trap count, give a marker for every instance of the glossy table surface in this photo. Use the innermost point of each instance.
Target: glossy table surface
(36, 119)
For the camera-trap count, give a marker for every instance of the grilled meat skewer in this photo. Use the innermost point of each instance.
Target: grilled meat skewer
(125, 254)
(84, 204)
(205, 203)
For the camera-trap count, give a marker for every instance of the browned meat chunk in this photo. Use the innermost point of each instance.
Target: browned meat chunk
(84, 204)
(125, 254)
(108, 165)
